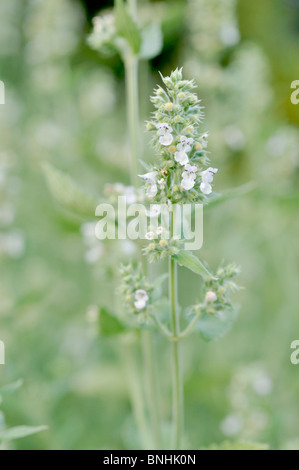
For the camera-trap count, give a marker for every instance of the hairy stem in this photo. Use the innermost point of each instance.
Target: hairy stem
(177, 373)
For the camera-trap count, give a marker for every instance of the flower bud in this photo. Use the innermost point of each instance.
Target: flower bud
(169, 106)
(210, 296)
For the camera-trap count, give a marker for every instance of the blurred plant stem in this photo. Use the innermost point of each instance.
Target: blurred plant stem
(131, 67)
(136, 393)
(177, 375)
(132, 98)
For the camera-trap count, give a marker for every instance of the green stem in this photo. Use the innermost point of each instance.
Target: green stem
(131, 66)
(132, 95)
(136, 396)
(177, 374)
(151, 386)
(188, 330)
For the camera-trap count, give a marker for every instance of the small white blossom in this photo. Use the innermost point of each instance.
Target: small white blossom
(207, 178)
(141, 299)
(189, 176)
(210, 296)
(154, 210)
(182, 150)
(150, 235)
(162, 183)
(164, 131)
(160, 230)
(151, 185)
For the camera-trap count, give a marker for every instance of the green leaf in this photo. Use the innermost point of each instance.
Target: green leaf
(151, 41)
(109, 324)
(67, 192)
(10, 388)
(20, 431)
(126, 26)
(212, 327)
(238, 446)
(187, 259)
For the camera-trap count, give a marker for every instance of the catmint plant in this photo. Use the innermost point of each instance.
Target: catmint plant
(181, 175)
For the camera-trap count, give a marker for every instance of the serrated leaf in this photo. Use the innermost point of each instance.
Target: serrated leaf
(109, 324)
(238, 446)
(10, 388)
(151, 41)
(212, 327)
(68, 193)
(187, 259)
(126, 26)
(20, 431)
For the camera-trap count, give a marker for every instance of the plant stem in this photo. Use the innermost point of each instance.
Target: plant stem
(136, 395)
(177, 376)
(151, 386)
(131, 66)
(132, 95)
(188, 330)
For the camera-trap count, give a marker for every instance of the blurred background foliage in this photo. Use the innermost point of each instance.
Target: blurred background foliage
(65, 105)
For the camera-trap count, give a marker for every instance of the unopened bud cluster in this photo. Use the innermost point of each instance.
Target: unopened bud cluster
(103, 35)
(136, 292)
(160, 246)
(217, 291)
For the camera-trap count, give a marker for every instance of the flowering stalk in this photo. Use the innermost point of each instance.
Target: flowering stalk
(110, 34)
(132, 88)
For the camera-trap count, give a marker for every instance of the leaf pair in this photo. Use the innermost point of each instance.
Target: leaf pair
(146, 43)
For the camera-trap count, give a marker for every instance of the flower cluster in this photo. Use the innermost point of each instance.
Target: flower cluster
(103, 34)
(181, 175)
(217, 292)
(161, 244)
(136, 292)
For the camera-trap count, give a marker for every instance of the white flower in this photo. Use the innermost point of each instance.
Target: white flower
(150, 235)
(154, 210)
(181, 157)
(189, 172)
(141, 299)
(210, 296)
(204, 140)
(182, 149)
(151, 185)
(160, 230)
(186, 143)
(164, 131)
(162, 183)
(207, 178)
(206, 188)
(189, 176)
(187, 184)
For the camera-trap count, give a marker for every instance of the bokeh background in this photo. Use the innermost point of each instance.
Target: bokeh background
(65, 104)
